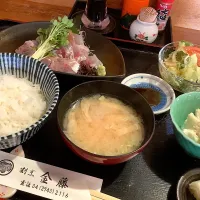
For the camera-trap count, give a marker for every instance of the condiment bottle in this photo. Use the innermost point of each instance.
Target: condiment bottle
(96, 10)
(95, 15)
(130, 9)
(144, 28)
(163, 8)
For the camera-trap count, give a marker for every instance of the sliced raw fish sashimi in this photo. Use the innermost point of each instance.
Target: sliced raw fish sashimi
(79, 38)
(74, 58)
(81, 52)
(76, 38)
(62, 64)
(28, 48)
(65, 52)
(93, 61)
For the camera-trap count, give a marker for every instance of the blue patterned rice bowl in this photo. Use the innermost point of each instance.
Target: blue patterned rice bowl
(38, 73)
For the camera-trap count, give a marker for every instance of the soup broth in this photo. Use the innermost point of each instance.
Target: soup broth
(104, 125)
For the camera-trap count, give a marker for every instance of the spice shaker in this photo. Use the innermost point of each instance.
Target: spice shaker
(144, 29)
(163, 8)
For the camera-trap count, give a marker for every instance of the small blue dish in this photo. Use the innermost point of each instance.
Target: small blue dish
(155, 84)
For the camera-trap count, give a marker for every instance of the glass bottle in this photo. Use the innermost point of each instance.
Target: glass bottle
(95, 15)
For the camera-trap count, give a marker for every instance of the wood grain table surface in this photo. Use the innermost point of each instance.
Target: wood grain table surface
(42, 10)
(34, 10)
(185, 14)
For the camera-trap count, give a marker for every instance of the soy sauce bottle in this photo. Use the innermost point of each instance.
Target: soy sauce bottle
(96, 10)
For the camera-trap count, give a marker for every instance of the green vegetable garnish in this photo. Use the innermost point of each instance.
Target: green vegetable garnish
(168, 52)
(101, 70)
(185, 43)
(180, 56)
(53, 37)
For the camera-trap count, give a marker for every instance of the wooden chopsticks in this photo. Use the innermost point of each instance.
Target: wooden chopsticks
(101, 196)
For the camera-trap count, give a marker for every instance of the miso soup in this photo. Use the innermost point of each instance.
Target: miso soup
(104, 125)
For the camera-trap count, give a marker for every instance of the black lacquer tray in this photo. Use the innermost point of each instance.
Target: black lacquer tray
(152, 175)
(119, 35)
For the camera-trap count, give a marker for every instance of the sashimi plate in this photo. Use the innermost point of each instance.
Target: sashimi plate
(105, 50)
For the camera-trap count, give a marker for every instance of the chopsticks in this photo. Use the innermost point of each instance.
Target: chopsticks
(101, 196)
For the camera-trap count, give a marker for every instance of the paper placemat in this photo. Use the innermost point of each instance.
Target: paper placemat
(45, 180)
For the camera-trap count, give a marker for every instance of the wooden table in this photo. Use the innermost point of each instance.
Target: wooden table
(185, 14)
(186, 20)
(42, 10)
(34, 10)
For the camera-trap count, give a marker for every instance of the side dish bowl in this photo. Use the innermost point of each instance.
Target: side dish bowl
(38, 73)
(119, 91)
(178, 83)
(182, 191)
(180, 108)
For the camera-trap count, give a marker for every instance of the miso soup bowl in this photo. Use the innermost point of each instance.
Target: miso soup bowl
(116, 90)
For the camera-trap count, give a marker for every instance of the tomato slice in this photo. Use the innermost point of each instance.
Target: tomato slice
(198, 57)
(193, 50)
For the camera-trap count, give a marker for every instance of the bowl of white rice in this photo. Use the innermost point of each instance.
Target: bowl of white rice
(29, 92)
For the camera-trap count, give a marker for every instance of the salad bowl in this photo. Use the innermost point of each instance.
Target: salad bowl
(182, 70)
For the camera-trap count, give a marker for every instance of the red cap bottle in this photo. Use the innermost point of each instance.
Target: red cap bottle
(163, 8)
(168, 1)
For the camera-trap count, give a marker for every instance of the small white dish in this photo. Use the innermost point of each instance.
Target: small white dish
(155, 83)
(7, 192)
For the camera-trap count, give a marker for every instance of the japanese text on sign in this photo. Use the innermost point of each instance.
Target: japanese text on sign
(45, 180)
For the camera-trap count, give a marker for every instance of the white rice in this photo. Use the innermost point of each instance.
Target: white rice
(21, 104)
